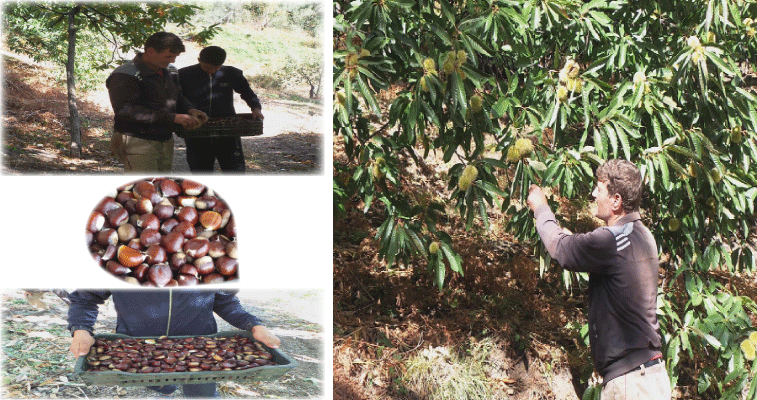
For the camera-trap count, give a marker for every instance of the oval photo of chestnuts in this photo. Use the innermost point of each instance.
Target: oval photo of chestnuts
(164, 232)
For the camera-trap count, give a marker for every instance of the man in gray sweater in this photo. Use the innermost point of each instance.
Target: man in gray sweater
(622, 263)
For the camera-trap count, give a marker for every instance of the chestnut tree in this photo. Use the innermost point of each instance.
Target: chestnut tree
(559, 87)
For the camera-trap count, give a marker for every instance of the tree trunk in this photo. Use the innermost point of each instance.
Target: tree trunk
(320, 79)
(71, 83)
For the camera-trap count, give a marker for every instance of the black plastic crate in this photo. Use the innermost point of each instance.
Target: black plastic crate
(237, 125)
(120, 378)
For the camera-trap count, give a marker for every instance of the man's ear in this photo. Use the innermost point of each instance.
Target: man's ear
(617, 203)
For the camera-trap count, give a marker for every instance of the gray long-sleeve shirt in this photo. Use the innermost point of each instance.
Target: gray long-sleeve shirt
(623, 267)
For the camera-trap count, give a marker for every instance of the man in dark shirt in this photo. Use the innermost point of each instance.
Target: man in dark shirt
(148, 106)
(622, 263)
(210, 86)
(159, 313)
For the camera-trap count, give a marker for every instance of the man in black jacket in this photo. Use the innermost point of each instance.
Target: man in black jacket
(210, 86)
(148, 106)
(622, 263)
(162, 313)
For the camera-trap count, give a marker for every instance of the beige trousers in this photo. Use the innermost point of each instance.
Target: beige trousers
(142, 155)
(646, 384)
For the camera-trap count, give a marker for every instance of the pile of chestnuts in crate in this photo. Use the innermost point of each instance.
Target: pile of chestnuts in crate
(164, 232)
(167, 354)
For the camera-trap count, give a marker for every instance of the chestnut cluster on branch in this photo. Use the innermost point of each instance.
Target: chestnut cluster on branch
(167, 354)
(164, 232)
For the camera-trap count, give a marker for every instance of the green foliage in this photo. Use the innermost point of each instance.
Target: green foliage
(658, 83)
(40, 30)
(307, 17)
(299, 70)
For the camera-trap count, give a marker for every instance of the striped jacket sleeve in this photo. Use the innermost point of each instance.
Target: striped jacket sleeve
(589, 252)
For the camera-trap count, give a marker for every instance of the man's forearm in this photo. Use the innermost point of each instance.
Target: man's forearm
(228, 307)
(82, 312)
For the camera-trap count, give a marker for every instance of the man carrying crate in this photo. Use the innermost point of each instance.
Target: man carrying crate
(159, 313)
(210, 86)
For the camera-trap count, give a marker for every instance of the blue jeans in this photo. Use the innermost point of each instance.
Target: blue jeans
(205, 390)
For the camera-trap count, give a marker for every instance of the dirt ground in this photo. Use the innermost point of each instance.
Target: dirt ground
(36, 134)
(37, 364)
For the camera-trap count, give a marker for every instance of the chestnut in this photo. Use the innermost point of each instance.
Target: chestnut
(117, 217)
(186, 201)
(188, 269)
(132, 280)
(177, 260)
(117, 269)
(216, 249)
(148, 221)
(231, 228)
(206, 202)
(213, 278)
(225, 216)
(123, 197)
(149, 237)
(131, 206)
(204, 265)
(163, 210)
(107, 236)
(144, 189)
(192, 188)
(231, 249)
(168, 226)
(227, 266)
(206, 234)
(172, 242)
(170, 188)
(187, 229)
(95, 222)
(129, 256)
(188, 214)
(196, 247)
(160, 274)
(210, 220)
(126, 232)
(109, 253)
(187, 280)
(135, 244)
(143, 206)
(156, 254)
(107, 204)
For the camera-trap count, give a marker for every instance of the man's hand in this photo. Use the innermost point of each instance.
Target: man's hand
(257, 114)
(536, 197)
(187, 121)
(261, 333)
(81, 343)
(201, 116)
